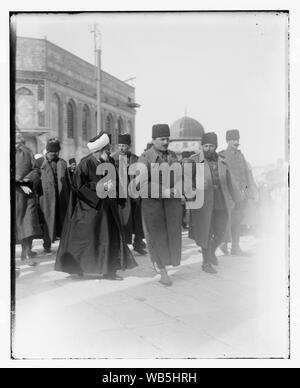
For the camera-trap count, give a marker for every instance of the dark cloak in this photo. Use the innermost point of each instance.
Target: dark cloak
(92, 239)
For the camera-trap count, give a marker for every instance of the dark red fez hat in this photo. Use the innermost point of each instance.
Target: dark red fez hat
(160, 130)
(124, 139)
(210, 138)
(233, 134)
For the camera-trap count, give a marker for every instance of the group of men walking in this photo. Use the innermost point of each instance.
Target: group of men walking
(83, 207)
(41, 196)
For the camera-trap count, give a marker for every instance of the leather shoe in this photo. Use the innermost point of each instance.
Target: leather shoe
(209, 269)
(140, 251)
(166, 283)
(164, 278)
(214, 260)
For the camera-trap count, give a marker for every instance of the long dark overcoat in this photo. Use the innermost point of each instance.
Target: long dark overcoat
(131, 213)
(162, 218)
(200, 220)
(27, 222)
(92, 239)
(48, 197)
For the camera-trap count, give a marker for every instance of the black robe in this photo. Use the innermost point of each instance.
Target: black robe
(131, 213)
(27, 222)
(92, 240)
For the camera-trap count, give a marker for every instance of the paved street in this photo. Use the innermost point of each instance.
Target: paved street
(240, 312)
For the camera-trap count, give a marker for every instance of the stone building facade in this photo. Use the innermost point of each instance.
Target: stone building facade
(56, 97)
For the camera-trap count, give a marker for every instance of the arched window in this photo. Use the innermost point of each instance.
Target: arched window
(120, 125)
(24, 92)
(129, 127)
(109, 124)
(25, 108)
(71, 119)
(55, 115)
(86, 122)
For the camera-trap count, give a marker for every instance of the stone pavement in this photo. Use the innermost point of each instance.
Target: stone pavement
(241, 312)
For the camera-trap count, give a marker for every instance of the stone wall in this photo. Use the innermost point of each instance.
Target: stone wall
(66, 79)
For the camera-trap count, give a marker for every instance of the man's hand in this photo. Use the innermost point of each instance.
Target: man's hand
(26, 190)
(108, 186)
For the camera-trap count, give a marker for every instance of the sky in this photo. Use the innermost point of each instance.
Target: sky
(226, 70)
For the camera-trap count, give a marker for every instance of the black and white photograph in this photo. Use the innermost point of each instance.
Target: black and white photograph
(149, 159)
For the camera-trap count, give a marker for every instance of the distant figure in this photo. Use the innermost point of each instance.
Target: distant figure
(67, 182)
(27, 178)
(242, 175)
(130, 214)
(52, 198)
(72, 168)
(208, 224)
(93, 241)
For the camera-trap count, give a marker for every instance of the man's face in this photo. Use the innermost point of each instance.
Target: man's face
(73, 166)
(124, 148)
(209, 149)
(105, 152)
(52, 155)
(234, 143)
(19, 137)
(161, 143)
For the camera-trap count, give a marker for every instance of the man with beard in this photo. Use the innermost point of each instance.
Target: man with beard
(27, 178)
(240, 171)
(71, 169)
(130, 214)
(67, 181)
(92, 241)
(52, 198)
(208, 225)
(162, 216)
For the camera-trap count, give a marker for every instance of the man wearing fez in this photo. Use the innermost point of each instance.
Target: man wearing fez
(240, 171)
(92, 241)
(52, 198)
(130, 214)
(161, 216)
(27, 178)
(67, 180)
(208, 224)
(72, 167)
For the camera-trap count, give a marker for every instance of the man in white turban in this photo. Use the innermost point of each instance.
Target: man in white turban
(92, 240)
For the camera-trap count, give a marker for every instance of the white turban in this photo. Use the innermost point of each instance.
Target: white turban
(98, 143)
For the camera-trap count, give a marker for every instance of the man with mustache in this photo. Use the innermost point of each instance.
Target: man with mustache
(52, 200)
(162, 216)
(208, 224)
(242, 175)
(130, 214)
(27, 179)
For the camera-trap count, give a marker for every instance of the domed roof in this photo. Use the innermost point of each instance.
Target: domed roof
(186, 127)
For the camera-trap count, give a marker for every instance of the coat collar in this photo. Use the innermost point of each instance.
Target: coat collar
(233, 150)
(153, 155)
(200, 159)
(46, 162)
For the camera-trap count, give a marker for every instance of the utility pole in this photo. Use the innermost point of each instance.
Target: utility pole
(97, 48)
